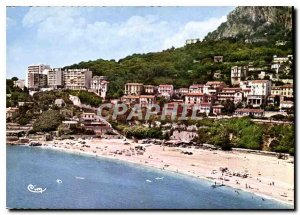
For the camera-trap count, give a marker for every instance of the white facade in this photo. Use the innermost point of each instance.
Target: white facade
(166, 90)
(195, 98)
(260, 87)
(100, 85)
(196, 88)
(19, 83)
(55, 78)
(133, 89)
(77, 79)
(238, 74)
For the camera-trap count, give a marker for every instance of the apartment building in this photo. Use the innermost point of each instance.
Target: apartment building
(232, 94)
(55, 78)
(99, 85)
(36, 81)
(238, 74)
(37, 76)
(287, 90)
(260, 87)
(77, 79)
(195, 98)
(149, 89)
(147, 100)
(260, 90)
(134, 89)
(196, 88)
(166, 90)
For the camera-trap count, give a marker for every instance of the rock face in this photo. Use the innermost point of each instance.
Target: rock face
(250, 22)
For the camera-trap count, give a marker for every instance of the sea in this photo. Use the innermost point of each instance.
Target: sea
(73, 181)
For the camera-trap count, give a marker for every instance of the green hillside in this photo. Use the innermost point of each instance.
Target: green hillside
(189, 64)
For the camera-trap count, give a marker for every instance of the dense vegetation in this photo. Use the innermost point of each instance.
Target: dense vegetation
(48, 121)
(139, 132)
(184, 66)
(243, 133)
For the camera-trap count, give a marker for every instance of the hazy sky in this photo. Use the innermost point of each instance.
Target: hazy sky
(61, 36)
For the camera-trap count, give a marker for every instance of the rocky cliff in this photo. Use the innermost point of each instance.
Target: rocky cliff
(249, 22)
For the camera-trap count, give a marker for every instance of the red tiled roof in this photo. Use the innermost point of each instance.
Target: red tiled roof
(205, 104)
(166, 85)
(147, 96)
(134, 84)
(260, 81)
(231, 88)
(214, 82)
(195, 94)
(196, 85)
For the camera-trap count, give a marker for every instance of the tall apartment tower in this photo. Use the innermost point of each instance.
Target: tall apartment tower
(77, 79)
(37, 76)
(55, 78)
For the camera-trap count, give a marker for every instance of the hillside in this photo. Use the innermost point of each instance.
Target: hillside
(194, 63)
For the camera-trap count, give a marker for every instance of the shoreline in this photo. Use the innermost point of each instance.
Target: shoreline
(144, 161)
(87, 154)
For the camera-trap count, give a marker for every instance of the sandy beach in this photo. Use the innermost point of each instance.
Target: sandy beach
(263, 175)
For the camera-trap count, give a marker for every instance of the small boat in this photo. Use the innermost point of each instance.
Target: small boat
(149, 181)
(58, 181)
(80, 178)
(32, 188)
(159, 178)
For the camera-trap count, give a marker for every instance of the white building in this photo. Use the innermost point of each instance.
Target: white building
(166, 90)
(260, 90)
(195, 98)
(149, 89)
(77, 79)
(133, 89)
(100, 85)
(191, 41)
(147, 100)
(55, 78)
(20, 84)
(281, 59)
(238, 74)
(196, 88)
(286, 105)
(260, 87)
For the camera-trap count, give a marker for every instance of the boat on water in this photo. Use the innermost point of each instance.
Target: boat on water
(81, 178)
(149, 181)
(32, 188)
(159, 178)
(58, 181)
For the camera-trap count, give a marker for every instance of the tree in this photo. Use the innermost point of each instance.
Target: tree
(229, 106)
(14, 79)
(48, 121)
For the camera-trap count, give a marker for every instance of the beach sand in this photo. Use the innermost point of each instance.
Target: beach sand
(267, 176)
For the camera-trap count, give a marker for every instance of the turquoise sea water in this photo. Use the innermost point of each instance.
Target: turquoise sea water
(90, 183)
